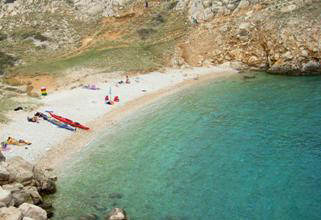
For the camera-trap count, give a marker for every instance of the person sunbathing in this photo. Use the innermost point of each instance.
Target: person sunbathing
(13, 141)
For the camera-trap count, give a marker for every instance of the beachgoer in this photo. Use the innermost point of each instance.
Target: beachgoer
(146, 4)
(110, 102)
(18, 108)
(41, 115)
(13, 141)
(33, 119)
(106, 99)
(127, 80)
(4, 144)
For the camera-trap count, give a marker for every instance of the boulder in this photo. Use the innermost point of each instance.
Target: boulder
(2, 157)
(14, 187)
(27, 218)
(5, 196)
(33, 194)
(32, 211)
(2, 205)
(20, 170)
(312, 67)
(45, 181)
(4, 174)
(116, 214)
(244, 4)
(10, 213)
(19, 196)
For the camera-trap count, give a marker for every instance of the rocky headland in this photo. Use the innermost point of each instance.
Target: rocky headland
(280, 37)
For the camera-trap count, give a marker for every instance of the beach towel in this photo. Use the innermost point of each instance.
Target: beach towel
(91, 87)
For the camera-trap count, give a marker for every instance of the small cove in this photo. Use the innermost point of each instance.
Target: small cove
(228, 149)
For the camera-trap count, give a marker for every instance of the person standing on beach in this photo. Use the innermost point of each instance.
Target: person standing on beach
(127, 80)
(146, 4)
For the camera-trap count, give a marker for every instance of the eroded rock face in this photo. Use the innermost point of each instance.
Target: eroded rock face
(4, 174)
(27, 218)
(10, 213)
(276, 36)
(91, 8)
(281, 37)
(45, 181)
(5, 197)
(83, 9)
(32, 211)
(20, 170)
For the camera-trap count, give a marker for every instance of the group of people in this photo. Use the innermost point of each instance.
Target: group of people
(19, 142)
(38, 115)
(127, 81)
(109, 100)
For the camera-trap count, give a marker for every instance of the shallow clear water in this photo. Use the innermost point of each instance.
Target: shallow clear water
(229, 149)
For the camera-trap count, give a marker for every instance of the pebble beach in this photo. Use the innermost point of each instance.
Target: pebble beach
(51, 144)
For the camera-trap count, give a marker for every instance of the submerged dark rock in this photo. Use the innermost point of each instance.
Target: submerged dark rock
(89, 217)
(115, 195)
(70, 218)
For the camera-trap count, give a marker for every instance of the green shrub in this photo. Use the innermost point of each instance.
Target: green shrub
(6, 60)
(3, 36)
(35, 35)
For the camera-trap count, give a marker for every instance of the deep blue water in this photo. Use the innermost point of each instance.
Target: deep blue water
(228, 149)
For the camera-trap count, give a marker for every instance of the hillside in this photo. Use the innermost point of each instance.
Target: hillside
(47, 41)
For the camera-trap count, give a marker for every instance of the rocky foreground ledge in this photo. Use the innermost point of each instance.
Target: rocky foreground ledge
(22, 188)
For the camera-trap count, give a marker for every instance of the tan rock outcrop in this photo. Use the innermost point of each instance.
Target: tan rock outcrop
(10, 213)
(32, 211)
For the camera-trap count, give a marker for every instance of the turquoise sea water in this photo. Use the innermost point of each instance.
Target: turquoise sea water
(228, 149)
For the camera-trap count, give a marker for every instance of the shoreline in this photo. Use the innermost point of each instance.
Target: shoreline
(98, 116)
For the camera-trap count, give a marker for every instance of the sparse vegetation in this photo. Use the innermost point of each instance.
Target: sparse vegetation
(3, 36)
(35, 35)
(6, 60)
(144, 33)
(130, 42)
(5, 105)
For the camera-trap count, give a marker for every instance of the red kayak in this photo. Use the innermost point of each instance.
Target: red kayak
(68, 121)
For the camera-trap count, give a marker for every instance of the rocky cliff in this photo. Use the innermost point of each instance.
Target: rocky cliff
(281, 37)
